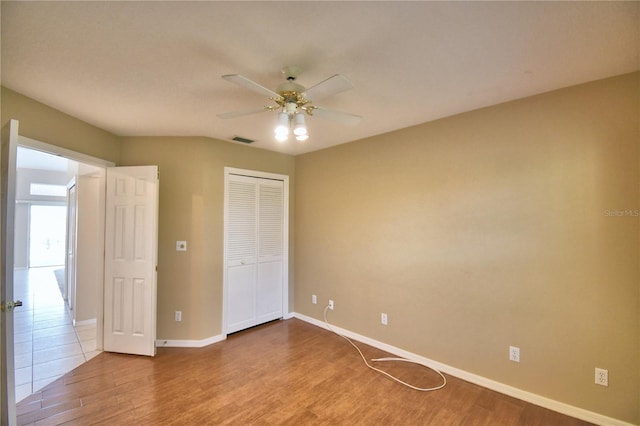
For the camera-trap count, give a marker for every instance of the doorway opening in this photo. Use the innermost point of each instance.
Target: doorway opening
(47, 235)
(55, 330)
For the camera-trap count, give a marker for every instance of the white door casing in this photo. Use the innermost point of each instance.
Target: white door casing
(70, 261)
(131, 260)
(8, 195)
(255, 273)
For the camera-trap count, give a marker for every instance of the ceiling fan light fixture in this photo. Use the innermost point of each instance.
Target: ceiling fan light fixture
(302, 138)
(299, 126)
(282, 126)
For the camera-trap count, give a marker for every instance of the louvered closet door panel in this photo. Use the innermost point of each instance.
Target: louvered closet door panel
(242, 246)
(242, 221)
(270, 250)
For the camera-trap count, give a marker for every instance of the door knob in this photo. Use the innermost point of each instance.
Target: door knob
(10, 305)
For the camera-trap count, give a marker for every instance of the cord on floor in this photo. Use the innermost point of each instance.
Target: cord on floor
(444, 380)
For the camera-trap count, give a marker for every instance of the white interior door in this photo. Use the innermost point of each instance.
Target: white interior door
(131, 260)
(8, 187)
(242, 252)
(269, 282)
(255, 251)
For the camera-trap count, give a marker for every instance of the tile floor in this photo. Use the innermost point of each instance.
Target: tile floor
(46, 344)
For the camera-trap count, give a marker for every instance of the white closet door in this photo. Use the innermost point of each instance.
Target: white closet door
(254, 257)
(241, 252)
(270, 248)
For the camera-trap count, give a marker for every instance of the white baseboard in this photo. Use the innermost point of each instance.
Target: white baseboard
(91, 321)
(166, 343)
(160, 343)
(541, 401)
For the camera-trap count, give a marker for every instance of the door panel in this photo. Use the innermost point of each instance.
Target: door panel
(270, 277)
(241, 229)
(241, 298)
(7, 189)
(270, 220)
(241, 221)
(131, 260)
(269, 291)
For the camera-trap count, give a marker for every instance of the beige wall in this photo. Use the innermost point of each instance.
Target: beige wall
(191, 209)
(489, 229)
(43, 123)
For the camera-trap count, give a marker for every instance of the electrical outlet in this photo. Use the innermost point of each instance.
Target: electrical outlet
(314, 299)
(178, 316)
(514, 354)
(602, 377)
(331, 305)
(383, 319)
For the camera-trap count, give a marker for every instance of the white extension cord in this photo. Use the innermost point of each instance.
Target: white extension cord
(444, 380)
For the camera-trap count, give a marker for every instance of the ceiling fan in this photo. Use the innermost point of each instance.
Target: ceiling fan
(294, 100)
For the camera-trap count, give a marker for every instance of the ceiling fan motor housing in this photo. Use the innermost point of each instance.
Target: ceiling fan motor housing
(290, 108)
(291, 97)
(290, 86)
(291, 72)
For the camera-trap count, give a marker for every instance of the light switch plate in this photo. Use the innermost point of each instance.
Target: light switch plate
(181, 246)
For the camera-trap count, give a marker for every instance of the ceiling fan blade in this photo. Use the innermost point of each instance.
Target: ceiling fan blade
(250, 84)
(337, 116)
(235, 114)
(331, 86)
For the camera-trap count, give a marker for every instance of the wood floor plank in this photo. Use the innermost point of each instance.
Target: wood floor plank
(46, 412)
(285, 372)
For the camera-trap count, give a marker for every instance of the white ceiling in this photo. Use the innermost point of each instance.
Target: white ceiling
(153, 68)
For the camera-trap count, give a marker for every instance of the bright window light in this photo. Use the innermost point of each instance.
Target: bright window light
(48, 190)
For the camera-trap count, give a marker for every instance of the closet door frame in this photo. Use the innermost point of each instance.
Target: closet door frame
(228, 171)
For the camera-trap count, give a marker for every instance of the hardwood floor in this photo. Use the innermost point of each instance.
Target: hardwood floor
(284, 372)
